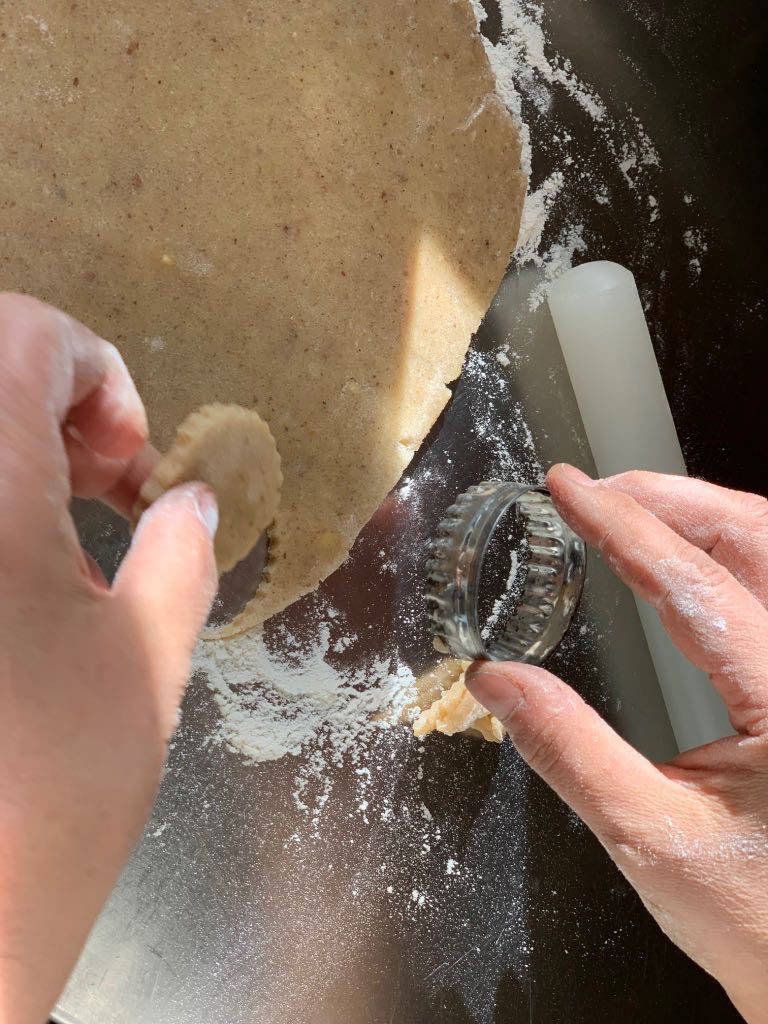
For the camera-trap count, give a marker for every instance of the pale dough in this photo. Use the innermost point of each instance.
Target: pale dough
(304, 208)
(454, 709)
(232, 450)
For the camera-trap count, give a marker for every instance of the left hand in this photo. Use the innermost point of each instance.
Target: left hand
(90, 677)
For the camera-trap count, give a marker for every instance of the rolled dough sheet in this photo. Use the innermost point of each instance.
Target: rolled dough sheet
(232, 450)
(304, 208)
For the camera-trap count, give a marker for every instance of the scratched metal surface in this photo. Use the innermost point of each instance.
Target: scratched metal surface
(234, 908)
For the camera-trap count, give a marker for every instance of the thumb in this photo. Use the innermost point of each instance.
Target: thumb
(612, 787)
(167, 581)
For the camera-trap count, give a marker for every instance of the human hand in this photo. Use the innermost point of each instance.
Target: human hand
(691, 836)
(90, 677)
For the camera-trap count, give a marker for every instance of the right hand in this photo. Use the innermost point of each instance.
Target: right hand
(692, 835)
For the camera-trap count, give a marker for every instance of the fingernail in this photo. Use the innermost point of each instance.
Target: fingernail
(207, 508)
(71, 431)
(123, 390)
(496, 691)
(575, 476)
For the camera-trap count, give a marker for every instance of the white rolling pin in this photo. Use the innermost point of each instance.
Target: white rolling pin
(608, 351)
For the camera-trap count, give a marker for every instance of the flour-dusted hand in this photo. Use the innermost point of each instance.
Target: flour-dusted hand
(90, 677)
(691, 835)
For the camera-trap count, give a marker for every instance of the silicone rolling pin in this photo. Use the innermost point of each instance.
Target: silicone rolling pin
(609, 355)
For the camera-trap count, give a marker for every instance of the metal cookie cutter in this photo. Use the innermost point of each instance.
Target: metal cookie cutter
(542, 592)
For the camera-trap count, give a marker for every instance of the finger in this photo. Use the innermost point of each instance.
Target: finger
(68, 370)
(52, 368)
(166, 585)
(113, 481)
(105, 412)
(71, 416)
(123, 494)
(731, 526)
(716, 623)
(612, 787)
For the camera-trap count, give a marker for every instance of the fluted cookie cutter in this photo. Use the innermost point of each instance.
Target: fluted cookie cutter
(549, 584)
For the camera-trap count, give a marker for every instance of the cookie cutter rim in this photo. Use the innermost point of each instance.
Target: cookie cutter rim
(551, 589)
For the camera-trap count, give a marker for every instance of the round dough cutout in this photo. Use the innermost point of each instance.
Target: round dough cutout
(231, 449)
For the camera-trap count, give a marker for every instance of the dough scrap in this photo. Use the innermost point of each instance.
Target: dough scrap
(300, 208)
(456, 710)
(232, 450)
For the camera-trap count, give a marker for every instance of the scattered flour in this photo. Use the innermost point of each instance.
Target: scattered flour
(501, 604)
(556, 260)
(195, 263)
(40, 25)
(522, 55)
(691, 597)
(532, 80)
(538, 204)
(276, 701)
(695, 241)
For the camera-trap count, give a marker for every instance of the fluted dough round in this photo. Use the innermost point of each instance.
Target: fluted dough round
(232, 450)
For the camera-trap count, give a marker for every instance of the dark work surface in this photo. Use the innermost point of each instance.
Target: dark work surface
(702, 97)
(696, 75)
